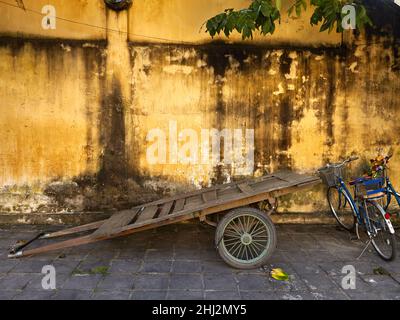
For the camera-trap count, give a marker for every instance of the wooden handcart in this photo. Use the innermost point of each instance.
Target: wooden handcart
(245, 235)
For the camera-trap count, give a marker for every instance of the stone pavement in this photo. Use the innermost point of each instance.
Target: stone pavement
(179, 262)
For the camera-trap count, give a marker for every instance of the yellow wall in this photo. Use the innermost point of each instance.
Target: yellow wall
(76, 109)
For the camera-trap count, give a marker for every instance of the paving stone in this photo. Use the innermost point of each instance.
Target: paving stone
(186, 281)
(363, 295)
(151, 281)
(259, 295)
(125, 266)
(86, 282)
(131, 254)
(278, 257)
(35, 284)
(149, 295)
(293, 284)
(318, 282)
(333, 294)
(390, 294)
(73, 295)
(15, 281)
(220, 282)
(88, 264)
(187, 254)
(65, 266)
(222, 295)
(253, 282)
(35, 295)
(155, 254)
(295, 296)
(110, 295)
(103, 254)
(209, 254)
(185, 295)
(31, 266)
(156, 266)
(216, 267)
(381, 282)
(116, 282)
(306, 268)
(298, 256)
(8, 294)
(8, 265)
(187, 266)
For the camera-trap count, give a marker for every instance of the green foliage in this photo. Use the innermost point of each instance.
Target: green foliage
(262, 16)
(329, 14)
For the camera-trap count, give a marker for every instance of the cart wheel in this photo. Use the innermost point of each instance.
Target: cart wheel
(245, 238)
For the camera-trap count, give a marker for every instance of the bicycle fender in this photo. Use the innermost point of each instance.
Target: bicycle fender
(390, 225)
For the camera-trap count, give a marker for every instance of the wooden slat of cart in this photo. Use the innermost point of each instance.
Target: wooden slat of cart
(166, 209)
(245, 188)
(147, 214)
(193, 201)
(179, 204)
(118, 220)
(209, 196)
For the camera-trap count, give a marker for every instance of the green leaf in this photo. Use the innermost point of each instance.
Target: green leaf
(278, 4)
(279, 274)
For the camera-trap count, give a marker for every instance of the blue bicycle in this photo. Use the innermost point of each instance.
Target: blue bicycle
(362, 209)
(389, 189)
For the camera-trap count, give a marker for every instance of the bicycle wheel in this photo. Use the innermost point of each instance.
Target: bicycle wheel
(383, 239)
(341, 208)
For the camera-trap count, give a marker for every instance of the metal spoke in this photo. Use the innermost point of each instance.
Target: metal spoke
(246, 238)
(234, 227)
(241, 224)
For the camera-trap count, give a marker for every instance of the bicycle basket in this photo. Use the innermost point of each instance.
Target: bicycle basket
(330, 175)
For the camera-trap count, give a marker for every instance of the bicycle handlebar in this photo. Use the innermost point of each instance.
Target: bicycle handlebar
(348, 160)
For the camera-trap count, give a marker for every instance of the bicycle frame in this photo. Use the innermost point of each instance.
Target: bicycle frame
(390, 190)
(353, 203)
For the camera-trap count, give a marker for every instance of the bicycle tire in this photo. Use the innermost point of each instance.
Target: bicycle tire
(342, 201)
(377, 219)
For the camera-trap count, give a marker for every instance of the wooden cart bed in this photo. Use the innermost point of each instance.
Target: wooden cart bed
(196, 204)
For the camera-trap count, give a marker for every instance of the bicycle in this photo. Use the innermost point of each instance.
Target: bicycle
(361, 210)
(389, 189)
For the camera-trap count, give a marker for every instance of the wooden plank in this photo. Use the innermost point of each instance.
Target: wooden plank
(166, 209)
(245, 188)
(86, 227)
(147, 214)
(287, 176)
(209, 196)
(116, 221)
(229, 193)
(193, 202)
(262, 186)
(179, 204)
